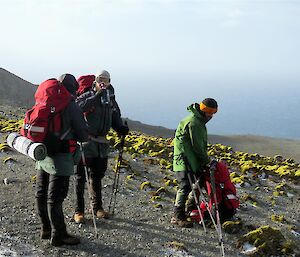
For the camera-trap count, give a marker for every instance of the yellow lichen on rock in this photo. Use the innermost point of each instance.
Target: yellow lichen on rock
(232, 227)
(9, 159)
(279, 218)
(158, 205)
(267, 240)
(4, 147)
(145, 184)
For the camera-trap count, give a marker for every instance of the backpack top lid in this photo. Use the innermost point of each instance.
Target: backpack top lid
(53, 94)
(222, 173)
(85, 83)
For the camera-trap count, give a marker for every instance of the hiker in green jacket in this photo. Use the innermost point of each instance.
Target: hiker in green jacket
(190, 145)
(102, 113)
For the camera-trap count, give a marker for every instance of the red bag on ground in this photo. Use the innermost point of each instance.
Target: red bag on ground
(227, 199)
(225, 189)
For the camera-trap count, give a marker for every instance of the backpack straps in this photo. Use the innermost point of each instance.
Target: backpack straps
(62, 137)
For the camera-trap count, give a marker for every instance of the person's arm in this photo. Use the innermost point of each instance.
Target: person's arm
(198, 142)
(89, 100)
(78, 123)
(117, 122)
(115, 106)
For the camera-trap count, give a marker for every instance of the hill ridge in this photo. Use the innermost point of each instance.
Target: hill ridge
(17, 92)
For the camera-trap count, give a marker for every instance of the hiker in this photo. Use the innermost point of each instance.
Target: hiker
(101, 113)
(190, 145)
(54, 172)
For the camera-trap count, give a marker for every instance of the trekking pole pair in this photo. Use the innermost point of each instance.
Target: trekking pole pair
(214, 195)
(196, 200)
(115, 187)
(189, 171)
(213, 187)
(205, 202)
(217, 225)
(89, 188)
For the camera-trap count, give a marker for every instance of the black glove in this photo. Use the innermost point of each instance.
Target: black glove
(123, 130)
(213, 165)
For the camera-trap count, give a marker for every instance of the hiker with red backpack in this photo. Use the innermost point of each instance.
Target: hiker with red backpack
(97, 99)
(190, 145)
(58, 122)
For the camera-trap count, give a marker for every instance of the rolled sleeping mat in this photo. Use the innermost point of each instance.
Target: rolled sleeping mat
(36, 151)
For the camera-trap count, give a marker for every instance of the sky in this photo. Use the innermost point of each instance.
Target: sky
(164, 55)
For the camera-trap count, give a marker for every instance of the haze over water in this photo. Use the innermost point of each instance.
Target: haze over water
(166, 54)
(247, 104)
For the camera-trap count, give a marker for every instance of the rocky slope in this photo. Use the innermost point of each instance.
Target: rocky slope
(141, 224)
(268, 188)
(15, 91)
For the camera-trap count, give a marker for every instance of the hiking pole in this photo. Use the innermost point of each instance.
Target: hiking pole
(206, 204)
(189, 169)
(113, 198)
(89, 188)
(213, 187)
(197, 201)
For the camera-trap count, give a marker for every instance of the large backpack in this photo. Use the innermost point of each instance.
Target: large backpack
(85, 83)
(43, 122)
(227, 199)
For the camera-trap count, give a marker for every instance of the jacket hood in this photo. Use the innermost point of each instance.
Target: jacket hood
(69, 82)
(195, 110)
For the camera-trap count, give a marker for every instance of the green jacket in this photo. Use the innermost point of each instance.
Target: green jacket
(190, 142)
(62, 164)
(102, 113)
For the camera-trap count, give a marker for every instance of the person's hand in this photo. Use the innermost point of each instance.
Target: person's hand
(100, 86)
(213, 165)
(123, 130)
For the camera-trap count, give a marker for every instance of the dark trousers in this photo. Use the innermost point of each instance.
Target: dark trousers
(96, 171)
(50, 194)
(184, 197)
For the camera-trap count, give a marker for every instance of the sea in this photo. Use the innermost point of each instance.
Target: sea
(248, 105)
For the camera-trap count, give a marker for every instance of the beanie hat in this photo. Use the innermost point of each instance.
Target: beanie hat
(209, 105)
(103, 74)
(69, 82)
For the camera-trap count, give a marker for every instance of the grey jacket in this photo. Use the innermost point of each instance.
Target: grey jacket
(102, 113)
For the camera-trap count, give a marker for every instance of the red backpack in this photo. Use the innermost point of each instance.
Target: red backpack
(85, 83)
(42, 123)
(225, 189)
(227, 199)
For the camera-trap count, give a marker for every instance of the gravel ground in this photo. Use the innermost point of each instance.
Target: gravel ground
(137, 228)
(140, 226)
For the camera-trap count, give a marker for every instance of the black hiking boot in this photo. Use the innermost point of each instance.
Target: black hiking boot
(190, 207)
(64, 240)
(184, 223)
(180, 218)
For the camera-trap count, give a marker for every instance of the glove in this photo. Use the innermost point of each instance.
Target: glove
(100, 93)
(213, 165)
(123, 130)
